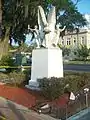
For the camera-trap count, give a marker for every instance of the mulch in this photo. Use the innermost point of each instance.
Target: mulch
(27, 97)
(21, 96)
(61, 101)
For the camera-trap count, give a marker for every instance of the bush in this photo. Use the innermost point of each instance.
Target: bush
(16, 78)
(76, 80)
(4, 78)
(7, 61)
(51, 88)
(27, 73)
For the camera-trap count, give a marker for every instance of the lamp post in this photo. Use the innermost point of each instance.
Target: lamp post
(86, 90)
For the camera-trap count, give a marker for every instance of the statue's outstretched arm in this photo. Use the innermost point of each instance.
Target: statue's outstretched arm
(30, 28)
(62, 29)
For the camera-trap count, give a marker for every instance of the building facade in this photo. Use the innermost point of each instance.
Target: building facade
(75, 39)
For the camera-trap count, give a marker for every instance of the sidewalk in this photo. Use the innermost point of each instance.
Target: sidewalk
(13, 111)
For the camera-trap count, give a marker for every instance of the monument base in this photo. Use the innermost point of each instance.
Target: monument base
(33, 85)
(45, 63)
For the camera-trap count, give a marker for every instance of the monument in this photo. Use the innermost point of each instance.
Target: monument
(46, 62)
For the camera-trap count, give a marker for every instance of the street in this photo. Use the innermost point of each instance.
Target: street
(77, 67)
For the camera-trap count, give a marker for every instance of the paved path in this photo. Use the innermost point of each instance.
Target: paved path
(13, 111)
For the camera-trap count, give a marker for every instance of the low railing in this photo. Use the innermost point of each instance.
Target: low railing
(72, 107)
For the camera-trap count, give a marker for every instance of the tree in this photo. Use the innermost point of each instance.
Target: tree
(15, 15)
(66, 51)
(71, 17)
(83, 52)
(24, 12)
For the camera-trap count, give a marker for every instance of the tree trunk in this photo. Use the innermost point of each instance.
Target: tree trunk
(4, 45)
(0, 18)
(26, 4)
(0, 11)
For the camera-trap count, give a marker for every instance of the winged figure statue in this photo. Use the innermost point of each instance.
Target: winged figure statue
(48, 32)
(47, 26)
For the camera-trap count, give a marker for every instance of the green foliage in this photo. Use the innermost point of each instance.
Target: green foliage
(51, 88)
(25, 48)
(76, 80)
(7, 61)
(66, 51)
(27, 73)
(70, 17)
(4, 78)
(18, 14)
(16, 78)
(13, 78)
(83, 52)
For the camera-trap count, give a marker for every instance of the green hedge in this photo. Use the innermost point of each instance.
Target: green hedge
(13, 78)
(52, 88)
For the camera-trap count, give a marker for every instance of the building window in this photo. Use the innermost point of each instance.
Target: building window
(83, 40)
(74, 40)
(68, 41)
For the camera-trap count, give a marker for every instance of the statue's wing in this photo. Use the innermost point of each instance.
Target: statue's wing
(41, 17)
(51, 18)
(42, 22)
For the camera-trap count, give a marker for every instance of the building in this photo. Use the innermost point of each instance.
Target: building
(74, 39)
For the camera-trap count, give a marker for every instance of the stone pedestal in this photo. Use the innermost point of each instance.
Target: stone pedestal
(45, 63)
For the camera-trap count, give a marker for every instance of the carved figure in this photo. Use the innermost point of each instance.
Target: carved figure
(36, 35)
(57, 32)
(48, 32)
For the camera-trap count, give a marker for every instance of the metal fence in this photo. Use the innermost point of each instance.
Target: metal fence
(81, 102)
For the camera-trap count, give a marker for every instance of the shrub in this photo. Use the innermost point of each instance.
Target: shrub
(76, 80)
(4, 78)
(52, 87)
(16, 78)
(7, 61)
(27, 73)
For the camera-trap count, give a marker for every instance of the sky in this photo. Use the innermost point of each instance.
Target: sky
(84, 6)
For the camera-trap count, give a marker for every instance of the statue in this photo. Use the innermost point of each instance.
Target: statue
(48, 33)
(35, 33)
(57, 32)
(47, 25)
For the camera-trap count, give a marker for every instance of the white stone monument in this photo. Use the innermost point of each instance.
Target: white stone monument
(46, 62)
